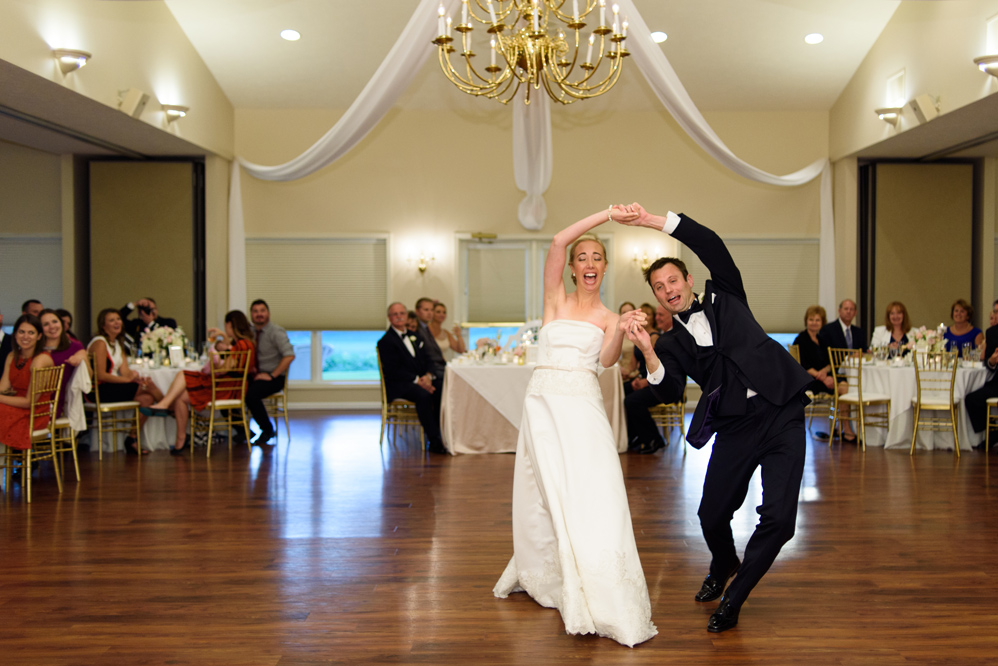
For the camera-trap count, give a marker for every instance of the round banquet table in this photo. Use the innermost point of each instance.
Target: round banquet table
(898, 382)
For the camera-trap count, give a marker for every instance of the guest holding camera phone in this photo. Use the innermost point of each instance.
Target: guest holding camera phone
(147, 320)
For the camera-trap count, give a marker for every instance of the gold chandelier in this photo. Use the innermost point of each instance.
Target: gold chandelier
(519, 33)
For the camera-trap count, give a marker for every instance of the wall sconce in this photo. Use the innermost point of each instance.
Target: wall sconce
(423, 262)
(987, 64)
(175, 111)
(70, 60)
(643, 261)
(889, 115)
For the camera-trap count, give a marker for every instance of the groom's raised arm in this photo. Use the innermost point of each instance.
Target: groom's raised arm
(710, 249)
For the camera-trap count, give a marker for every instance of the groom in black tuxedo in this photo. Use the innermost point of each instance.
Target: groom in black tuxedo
(407, 374)
(753, 399)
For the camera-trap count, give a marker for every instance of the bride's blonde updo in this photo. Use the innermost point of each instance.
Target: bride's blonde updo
(583, 238)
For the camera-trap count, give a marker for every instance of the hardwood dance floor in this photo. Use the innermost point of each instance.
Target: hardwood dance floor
(329, 551)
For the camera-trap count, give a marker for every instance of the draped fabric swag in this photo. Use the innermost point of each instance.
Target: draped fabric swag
(532, 147)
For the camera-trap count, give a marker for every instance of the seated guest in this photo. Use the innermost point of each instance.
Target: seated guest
(67, 323)
(663, 320)
(274, 355)
(841, 333)
(191, 389)
(643, 434)
(407, 375)
(115, 381)
(894, 333)
(411, 321)
(814, 358)
(148, 320)
(976, 401)
(450, 342)
(15, 396)
(32, 307)
(64, 351)
(962, 331)
(6, 343)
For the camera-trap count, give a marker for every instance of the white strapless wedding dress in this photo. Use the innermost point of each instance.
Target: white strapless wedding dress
(573, 544)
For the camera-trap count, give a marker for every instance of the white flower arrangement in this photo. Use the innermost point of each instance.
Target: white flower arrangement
(927, 338)
(162, 338)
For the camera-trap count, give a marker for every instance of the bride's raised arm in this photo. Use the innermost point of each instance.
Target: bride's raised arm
(554, 265)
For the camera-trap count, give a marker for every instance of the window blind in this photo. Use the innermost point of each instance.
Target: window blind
(780, 277)
(320, 284)
(497, 279)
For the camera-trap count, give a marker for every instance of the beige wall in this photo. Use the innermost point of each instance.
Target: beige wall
(134, 45)
(425, 176)
(30, 191)
(141, 237)
(924, 218)
(935, 43)
(216, 232)
(845, 204)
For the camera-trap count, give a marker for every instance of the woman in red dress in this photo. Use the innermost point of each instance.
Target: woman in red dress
(15, 400)
(192, 389)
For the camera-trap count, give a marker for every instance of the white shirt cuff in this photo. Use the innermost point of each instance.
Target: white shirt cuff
(657, 376)
(671, 222)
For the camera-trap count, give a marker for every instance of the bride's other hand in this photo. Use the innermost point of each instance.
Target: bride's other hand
(632, 319)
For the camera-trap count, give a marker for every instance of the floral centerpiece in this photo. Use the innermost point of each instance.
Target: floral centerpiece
(162, 338)
(927, 338)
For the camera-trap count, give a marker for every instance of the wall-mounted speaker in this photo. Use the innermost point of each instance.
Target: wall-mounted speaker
(133, 102)
(924, 108)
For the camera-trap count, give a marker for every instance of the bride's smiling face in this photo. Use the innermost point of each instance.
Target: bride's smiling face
(588, 265)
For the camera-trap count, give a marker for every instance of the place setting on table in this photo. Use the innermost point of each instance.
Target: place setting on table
(482, 402)
(891, 371)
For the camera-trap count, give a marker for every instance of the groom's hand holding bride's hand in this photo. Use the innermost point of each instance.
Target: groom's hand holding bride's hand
(631, 320)
(622, 214)
(639, 336)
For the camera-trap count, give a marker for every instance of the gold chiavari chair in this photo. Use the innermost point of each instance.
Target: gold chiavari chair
(821, 403)
(669, 416)
(935, 380)
(112, 417)
(228, 378)
(44, 396)
(396, 413)
(277, 407)
(992, 422)
(874, 408)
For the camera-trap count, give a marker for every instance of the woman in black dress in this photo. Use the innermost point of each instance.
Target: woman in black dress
(814, 357)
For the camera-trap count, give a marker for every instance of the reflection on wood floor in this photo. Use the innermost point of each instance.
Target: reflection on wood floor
(329, 551)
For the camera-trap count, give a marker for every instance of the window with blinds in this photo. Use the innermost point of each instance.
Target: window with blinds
(780, 277)
(497, 281)
(320, 283)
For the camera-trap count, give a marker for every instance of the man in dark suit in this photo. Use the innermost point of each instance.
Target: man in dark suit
(6, 344)
(841, 333)
(977, 401)
(405, 367)
(753, 399)
(424, 312)
(148, 320)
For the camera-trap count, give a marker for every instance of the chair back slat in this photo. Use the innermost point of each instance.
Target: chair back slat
(847, 366)
(44, 393)
(935, 374)
(230, 374)
(795, 352)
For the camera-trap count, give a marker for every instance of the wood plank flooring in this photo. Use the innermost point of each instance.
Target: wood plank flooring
(329, 551)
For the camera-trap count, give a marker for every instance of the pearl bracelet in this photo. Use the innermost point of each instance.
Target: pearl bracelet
(609, 210)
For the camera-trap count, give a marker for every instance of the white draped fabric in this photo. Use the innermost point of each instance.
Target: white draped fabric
(532, 147)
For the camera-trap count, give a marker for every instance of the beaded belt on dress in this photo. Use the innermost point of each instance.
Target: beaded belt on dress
(565, 368)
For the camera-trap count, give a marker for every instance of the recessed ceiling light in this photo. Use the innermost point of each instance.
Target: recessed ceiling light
(659, 37)
(291, 35)
(814, 38)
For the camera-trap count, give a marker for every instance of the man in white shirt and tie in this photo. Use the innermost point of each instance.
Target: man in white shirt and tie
(405, 368)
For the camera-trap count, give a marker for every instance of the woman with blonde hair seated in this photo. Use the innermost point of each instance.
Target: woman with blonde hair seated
(450, 342)
(191, 389)
(15, 384)
(894, 333)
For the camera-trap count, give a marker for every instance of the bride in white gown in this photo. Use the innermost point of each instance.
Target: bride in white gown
(573, 544)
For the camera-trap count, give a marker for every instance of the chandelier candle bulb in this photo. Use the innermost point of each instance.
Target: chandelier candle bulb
(493, 44)
(492, 12)
(448, 26)
(575, 10)
(602, 12)
(537, 11)
(589, 53)
(441, 25)
(464, 12)
(625, 29)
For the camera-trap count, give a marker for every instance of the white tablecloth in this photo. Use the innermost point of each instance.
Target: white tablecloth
(482, 405)
(899, 384)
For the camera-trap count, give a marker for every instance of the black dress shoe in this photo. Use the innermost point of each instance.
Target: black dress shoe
(437, 447)
(264, 438)
(174, 451)
(713, 586)
(724, 618)
(651, 447)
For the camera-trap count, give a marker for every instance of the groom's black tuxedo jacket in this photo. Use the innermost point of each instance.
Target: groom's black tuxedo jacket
(399, 367)
(742, 357)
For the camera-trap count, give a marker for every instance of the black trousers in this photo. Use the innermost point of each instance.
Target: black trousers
(768, 436)
(641, 429)
(256, 391)
(976, 403)
(427, 409)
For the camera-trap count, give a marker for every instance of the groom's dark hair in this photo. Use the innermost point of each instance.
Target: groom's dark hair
(662, 261)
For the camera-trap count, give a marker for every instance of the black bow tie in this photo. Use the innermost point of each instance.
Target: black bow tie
(694, 307)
